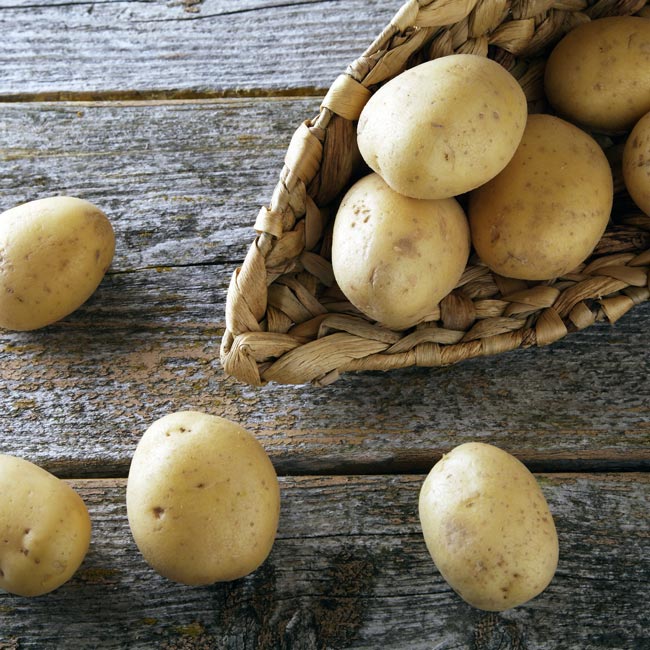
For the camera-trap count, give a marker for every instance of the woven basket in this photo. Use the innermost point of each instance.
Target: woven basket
(287, 322)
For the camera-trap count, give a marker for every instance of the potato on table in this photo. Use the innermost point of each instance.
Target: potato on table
(488, 527)
(44, 529)
(202, 499)
(54, 252)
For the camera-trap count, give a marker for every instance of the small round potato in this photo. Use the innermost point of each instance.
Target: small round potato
(44, 529)
(443, 127)
(488, 527)
(202, 499)
(636, 163)
(54, 252)
(598, 75)
(395, 257)
(545, 212)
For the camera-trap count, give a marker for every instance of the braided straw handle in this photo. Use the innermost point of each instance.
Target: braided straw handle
(287, 322)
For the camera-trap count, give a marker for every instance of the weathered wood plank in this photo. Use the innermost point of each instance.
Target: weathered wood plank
(182, 182)
(77, 396)
(349, 569)
(118, 48)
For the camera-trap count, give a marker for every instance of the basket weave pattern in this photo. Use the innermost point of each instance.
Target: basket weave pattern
(287, 322)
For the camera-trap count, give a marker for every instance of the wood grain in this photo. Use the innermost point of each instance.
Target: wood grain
(182, 182)
(78, 395)
(117, 48)
(350, 569)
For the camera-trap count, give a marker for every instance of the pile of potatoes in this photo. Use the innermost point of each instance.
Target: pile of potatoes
(537, 190)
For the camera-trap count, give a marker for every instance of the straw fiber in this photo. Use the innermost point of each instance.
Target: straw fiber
(287, 322)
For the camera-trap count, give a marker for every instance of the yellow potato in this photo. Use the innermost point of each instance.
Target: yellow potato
(488, 527)
(545, 212)
(202, 499)
(44, 529)
(636, 163)
(395, 257)
(598, 75)
(53, 255)
(443, 127)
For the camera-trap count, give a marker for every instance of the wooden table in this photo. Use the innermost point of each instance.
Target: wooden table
(174, 116)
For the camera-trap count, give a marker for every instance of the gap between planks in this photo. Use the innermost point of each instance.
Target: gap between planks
(558, 467)
(166, 95)
(119, 482)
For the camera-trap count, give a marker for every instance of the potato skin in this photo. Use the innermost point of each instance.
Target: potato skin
(545, 212)
(202, 499)
(44, 529)
(53, 255)
(636, 163)
(598, 75)
(488, 527)
(443, 127)
(395, 257)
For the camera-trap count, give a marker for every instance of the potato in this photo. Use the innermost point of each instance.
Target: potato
(598, 75)
(44, 529)
(395, 257)
(202, 499)
(443, 127)
(488, 527)
(53, 255)
(636, 163)
(545, 212)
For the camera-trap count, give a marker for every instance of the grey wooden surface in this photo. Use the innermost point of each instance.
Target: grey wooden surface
(349, 570)
(174, 118)
(181, 48)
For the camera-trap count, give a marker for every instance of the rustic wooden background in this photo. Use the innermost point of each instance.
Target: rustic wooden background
(174, 116)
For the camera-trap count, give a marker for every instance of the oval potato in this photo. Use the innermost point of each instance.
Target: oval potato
(202, 499)
(395, 257)
(636, 163)
(598, 75)
(488, 527)
(54, 253)
(545, 212)
(443, 127)
(44, 529)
